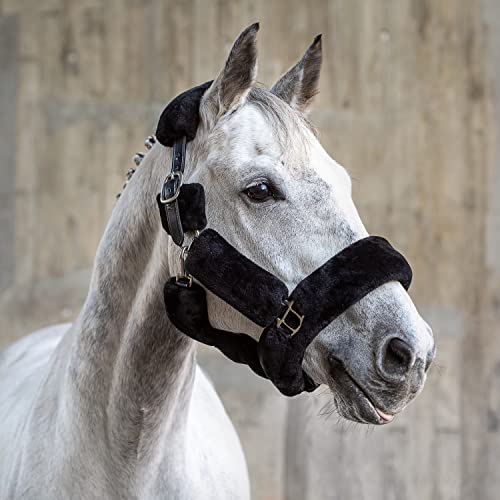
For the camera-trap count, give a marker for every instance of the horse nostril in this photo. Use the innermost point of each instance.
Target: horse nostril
(397, 359)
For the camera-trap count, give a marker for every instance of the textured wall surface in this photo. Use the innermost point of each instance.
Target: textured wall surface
(409, 103)
(8, 90)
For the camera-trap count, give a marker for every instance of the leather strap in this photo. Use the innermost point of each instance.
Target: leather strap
(171, 190)
(174, 223)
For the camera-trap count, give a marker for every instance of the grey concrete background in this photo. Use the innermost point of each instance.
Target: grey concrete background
(409, 103)
(8, 93)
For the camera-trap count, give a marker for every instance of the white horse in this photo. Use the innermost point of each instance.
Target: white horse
(114, 406)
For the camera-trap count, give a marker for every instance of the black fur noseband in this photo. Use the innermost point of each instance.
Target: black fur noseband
(290, 322)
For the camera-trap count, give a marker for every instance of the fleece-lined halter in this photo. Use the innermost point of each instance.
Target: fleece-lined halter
(290, 321)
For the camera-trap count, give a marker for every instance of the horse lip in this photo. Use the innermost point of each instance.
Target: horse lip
(383, 417)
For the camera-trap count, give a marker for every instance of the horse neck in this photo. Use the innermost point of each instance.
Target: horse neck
(133, 367)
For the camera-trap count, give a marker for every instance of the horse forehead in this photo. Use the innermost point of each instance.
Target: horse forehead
(250, 137)
(248, 134)
(248, 131)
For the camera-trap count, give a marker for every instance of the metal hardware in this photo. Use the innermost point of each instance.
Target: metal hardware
(171, 187)
(282, 321)
(130, 173)
(173, 182)
(184, 278)
(170, 191)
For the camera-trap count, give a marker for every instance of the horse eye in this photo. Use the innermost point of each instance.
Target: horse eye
(260, 191)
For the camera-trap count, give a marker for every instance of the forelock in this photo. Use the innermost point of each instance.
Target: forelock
(289, 125)
(291, 129)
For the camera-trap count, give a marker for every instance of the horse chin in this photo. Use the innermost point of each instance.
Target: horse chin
(352, 401)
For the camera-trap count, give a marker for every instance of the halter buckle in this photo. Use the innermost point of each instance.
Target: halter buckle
(171, 187)
(282, 321)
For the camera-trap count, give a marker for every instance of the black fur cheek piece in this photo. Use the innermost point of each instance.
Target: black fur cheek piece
(181, 116)
(191, 202)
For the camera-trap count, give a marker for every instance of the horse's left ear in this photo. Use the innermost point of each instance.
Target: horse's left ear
(230, 88)
(299, 84)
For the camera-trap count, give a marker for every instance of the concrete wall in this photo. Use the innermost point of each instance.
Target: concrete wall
(409, 104)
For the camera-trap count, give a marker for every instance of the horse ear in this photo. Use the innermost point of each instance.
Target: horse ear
(230, 88)
(299, 84)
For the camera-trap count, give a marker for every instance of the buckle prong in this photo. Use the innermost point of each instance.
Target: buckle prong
(282, 321)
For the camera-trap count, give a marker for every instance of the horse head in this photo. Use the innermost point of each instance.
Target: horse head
(275, 194)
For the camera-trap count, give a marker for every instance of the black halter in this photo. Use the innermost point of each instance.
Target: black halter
(290, 321)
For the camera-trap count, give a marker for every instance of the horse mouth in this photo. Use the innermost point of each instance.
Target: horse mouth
(354, 403)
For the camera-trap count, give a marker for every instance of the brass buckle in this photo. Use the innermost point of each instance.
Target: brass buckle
(282, 321)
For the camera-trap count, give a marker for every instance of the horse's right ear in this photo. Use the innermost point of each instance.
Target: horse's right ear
(230, 88)
(299, 84)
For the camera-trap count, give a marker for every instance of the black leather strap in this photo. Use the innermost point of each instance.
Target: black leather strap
(174, 222)
(171, 190)
(179, 156)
